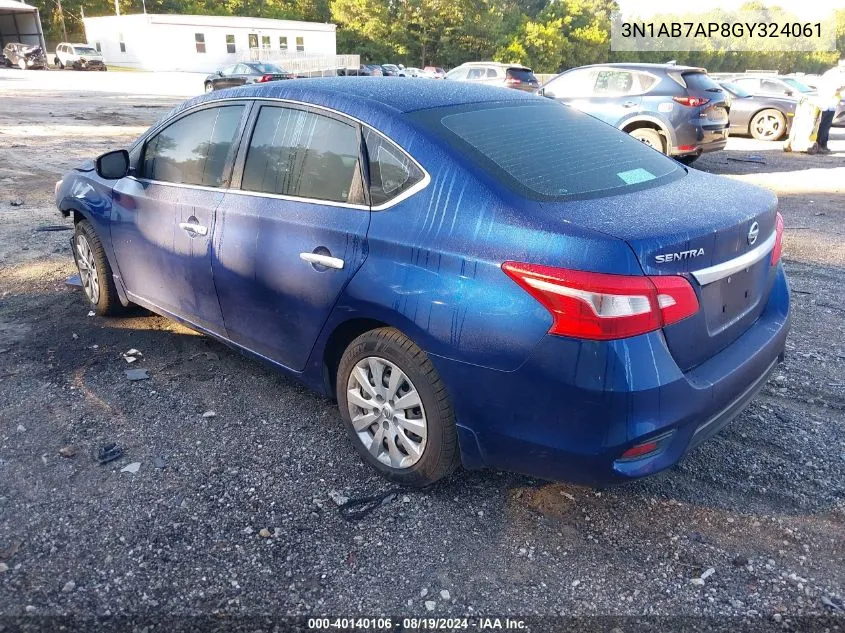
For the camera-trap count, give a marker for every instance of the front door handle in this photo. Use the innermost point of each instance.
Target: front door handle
(322, 260)
(193, 229)
(629, 104)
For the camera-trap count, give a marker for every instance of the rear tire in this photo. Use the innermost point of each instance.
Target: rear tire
(768, 125)
(404, 426)
(649, 137)
(95, 271)
(209, 87)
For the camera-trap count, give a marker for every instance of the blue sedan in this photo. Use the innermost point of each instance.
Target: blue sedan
(478, 276)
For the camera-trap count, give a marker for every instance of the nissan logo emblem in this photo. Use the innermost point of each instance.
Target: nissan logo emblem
(753, 232)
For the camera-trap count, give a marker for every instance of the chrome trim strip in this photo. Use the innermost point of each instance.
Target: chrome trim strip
(422, 184)
(220, 190)
(726, 269)
(279, 196)
(322, 260)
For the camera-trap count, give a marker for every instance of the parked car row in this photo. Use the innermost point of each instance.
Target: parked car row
(33, 57)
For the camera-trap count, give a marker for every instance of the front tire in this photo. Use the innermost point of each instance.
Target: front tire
(95, 271)
(768, 125)
(649, 137)
(209, 87)
(396, 409)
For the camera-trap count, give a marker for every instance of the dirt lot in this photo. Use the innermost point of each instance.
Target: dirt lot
(757, 511)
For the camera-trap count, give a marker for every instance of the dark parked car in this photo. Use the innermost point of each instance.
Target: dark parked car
(390, 70)
(245, 73)
(766, 118)
(24, 56)
(678, 110)
(478, 275)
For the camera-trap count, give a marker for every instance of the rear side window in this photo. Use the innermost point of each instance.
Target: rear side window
(194, 149)
(549, 151)
(392, 172)
(299, 153)
(614, 82)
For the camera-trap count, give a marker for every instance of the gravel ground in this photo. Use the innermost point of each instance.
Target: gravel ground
(234, 514)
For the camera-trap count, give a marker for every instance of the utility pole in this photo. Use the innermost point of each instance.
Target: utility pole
(62, 19)
(116, 8)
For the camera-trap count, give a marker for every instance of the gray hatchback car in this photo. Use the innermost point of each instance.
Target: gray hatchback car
(678, 110)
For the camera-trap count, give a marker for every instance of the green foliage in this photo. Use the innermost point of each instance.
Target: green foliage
(547, 35)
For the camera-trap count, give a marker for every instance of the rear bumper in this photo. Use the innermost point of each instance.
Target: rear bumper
(695, 139)
(575, 407)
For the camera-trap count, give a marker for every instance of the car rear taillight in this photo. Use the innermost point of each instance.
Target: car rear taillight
(692, 102)
(776, 251)
(512, 81)
(265, 78)
(599, 306)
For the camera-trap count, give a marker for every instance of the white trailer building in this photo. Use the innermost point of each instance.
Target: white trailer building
(204, 43)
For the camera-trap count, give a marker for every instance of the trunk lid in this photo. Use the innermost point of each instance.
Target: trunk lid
(697, 226)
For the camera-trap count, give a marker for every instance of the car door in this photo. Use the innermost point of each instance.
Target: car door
(163, 216)
(291, 231)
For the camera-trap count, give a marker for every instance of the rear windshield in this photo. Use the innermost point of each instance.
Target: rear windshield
(523, 74)
(548, 151)
(700, 81)
(267, 68)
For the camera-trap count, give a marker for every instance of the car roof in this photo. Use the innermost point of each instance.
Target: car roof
(499, 64)
(645, 66)
(366, 97)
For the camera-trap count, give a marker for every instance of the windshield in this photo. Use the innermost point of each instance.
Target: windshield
(85, 50)
(547, 151)
(267, 69)
(797, 85)
(736, 91)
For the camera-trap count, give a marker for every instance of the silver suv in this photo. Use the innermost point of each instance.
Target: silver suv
(79, 57)
(496, 74)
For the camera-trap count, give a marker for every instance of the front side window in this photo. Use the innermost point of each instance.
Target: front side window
(300, 44)
(230, 44)
(193, 150)
(392, 171)
(199, 39)
(575, 83)
(299, 153)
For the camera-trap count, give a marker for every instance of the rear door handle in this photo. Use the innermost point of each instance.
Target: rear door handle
(629, 104)
(191, 228)
(322, 260)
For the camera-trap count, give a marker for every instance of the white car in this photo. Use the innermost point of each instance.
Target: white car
(79, 57)
(416, 72)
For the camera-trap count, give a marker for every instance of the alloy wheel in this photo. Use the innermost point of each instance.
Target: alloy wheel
(387, 412)
(87, 269)
(768, 126)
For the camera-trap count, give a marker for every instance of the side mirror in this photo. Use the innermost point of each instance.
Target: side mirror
(113, 165)
(789, 93)
(219, 73)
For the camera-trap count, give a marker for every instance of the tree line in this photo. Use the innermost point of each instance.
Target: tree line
(546, 35)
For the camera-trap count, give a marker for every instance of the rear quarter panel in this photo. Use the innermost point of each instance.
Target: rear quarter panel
(434, 264)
